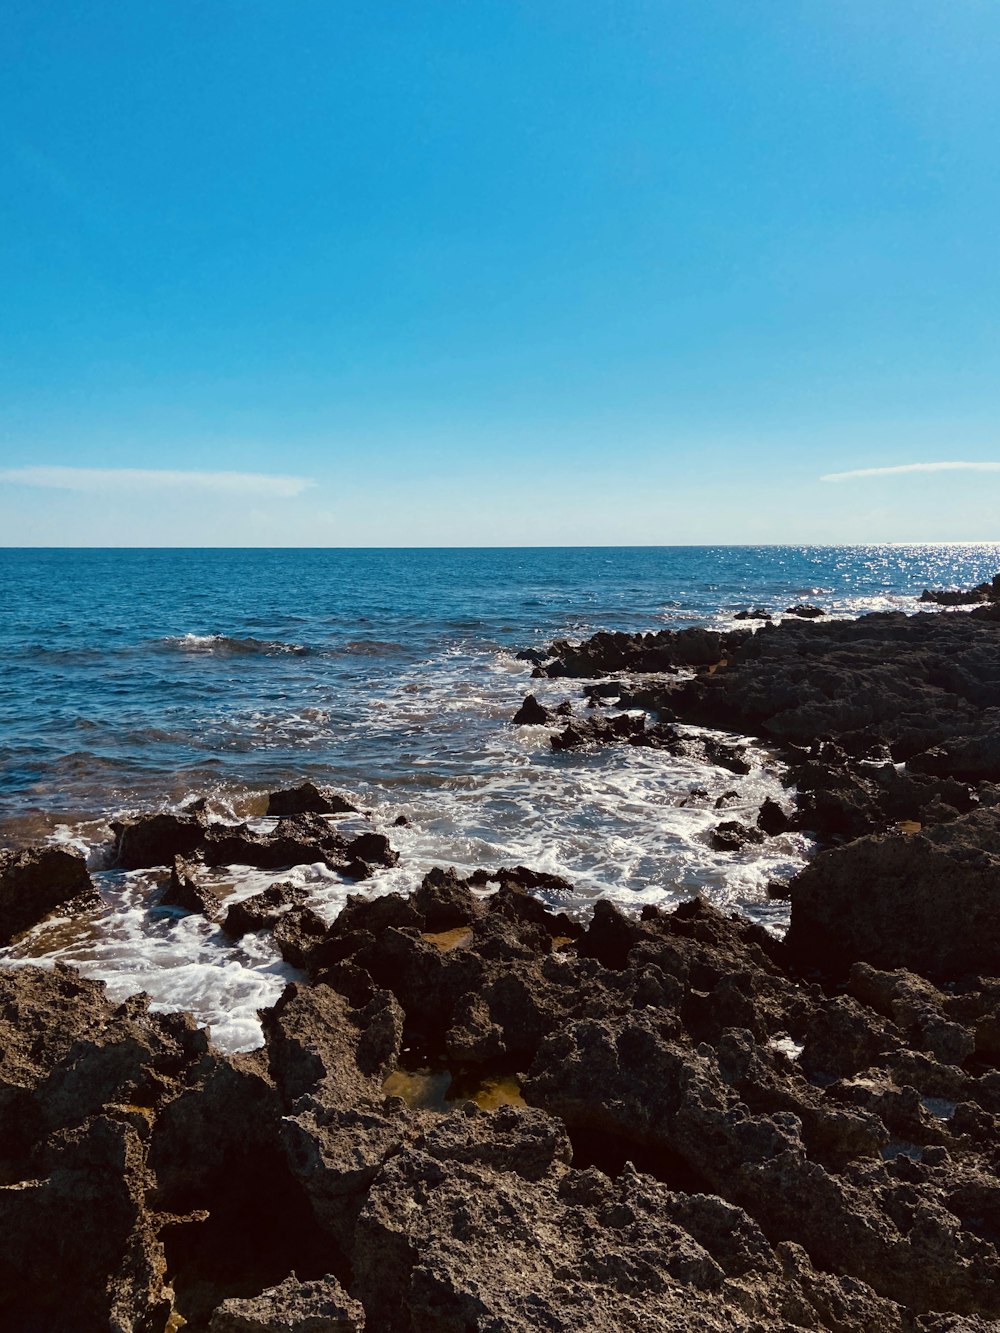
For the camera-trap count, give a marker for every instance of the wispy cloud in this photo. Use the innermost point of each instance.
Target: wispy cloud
(910, 467)
(94, 479)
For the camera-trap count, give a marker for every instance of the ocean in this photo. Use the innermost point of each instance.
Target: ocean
(134, 679)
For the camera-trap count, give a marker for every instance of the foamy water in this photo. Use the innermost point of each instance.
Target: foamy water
(618, 822)
(133, 680)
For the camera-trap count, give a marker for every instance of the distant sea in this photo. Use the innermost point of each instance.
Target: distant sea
(132, 679)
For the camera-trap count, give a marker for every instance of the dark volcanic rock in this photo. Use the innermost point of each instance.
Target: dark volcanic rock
(805, 611)
(262, 909)
(928, 901)
(903, 682)
(302, 839)
(974, 758)
(154, 840)
(36, 881)
(185, 889)
(982, 592)
(531, 713)
(308, 799)
(665, 650)
(732, 836)
(772, 820)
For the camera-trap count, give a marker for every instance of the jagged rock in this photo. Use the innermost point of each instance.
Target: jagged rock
(154, 840)
(970, 758)
(187, 891)
(804, 610)
(531, 713)
(732, 836)
(444, 901)
(36, 881)
(79, 1250)
(318, 1306)
(262, 909)
(926, 902)
(308, 799)
(772, 820)
(302, 839)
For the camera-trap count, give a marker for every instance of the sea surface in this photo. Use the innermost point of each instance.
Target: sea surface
(132, 680)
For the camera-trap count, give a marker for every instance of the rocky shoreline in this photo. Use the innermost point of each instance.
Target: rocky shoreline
(474, 1113)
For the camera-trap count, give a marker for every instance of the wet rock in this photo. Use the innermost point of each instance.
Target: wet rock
(726, 798)
(731, 757)
(154, 840)
(308, 799)
(301, 839)
(732, 836)
(371, 849)
(401, 821)
(531, 713)
(36, 881)
(298, 934)
(758, 613)
(262, 910)
(610, 653)
(926, 902)
(804, 610)
(187, 891)
(772, 820)
(318, 1306)
(982, 592)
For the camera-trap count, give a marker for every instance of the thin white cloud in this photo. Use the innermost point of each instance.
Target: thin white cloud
(910, 467)
(94, 479)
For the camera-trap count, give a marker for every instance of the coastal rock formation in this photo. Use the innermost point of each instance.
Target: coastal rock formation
(476, 1111)
(308, 799)
(304, 839)
(36, 881)
(927, 901)
(982, 592)
(651, 1122)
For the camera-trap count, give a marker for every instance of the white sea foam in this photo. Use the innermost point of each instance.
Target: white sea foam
(622, 822)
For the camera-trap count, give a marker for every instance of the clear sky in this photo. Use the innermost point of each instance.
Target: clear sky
(317, 272)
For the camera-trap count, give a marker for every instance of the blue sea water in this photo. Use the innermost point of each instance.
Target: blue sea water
(127, 674)
(133, 679)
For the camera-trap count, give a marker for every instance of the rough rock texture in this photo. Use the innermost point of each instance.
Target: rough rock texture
(308, 799)
(657, 1157)
(929, 901)
(477, 1113)
(36, 881)
(301, 839)
(292, 1307)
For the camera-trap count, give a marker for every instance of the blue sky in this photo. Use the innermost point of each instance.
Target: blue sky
(334, 273)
